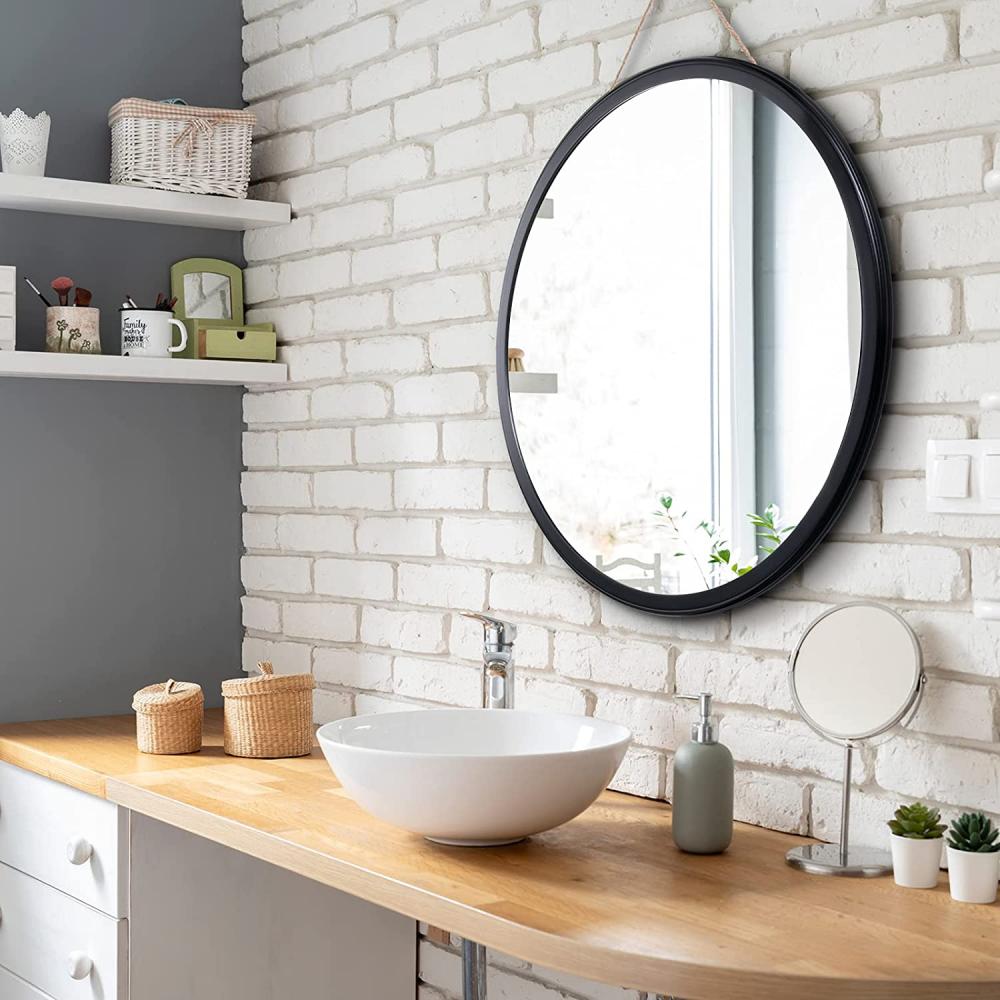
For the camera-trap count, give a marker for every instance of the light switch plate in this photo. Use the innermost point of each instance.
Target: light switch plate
(949, 477)
(963, 477)
(991, 476)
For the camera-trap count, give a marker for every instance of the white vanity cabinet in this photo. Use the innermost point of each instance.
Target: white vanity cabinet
(63, 947)
(14, 988)
(63, 891)
(68, 839)
(99, 903)
(210, 923)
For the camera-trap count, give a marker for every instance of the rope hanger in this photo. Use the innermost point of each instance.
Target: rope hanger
(720, 13)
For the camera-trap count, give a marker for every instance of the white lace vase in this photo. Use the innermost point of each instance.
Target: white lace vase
(24, 142)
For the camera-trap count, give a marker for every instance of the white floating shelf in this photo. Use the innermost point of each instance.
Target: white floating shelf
(134, 204)
(38, 364)
(544, 382)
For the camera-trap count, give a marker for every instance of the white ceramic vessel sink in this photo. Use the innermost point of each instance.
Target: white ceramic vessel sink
(474, 777)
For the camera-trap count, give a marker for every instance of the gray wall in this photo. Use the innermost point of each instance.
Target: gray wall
(119, 504)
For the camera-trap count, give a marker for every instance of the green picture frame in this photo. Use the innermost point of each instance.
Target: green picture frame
(183, 310)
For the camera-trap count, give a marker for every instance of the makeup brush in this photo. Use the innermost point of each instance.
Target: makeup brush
(61, 286)
(34, 288)
(83, 297)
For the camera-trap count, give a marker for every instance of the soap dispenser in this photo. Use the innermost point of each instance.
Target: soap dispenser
(703, 787)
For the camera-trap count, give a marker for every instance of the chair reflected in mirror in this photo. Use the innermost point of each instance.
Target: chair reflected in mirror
(653, 583)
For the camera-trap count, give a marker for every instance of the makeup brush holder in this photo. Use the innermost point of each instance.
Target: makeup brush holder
(73, 330)
(24, 143)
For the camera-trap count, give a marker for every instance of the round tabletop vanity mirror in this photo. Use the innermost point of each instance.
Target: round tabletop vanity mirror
(856, 674)
(694, 336)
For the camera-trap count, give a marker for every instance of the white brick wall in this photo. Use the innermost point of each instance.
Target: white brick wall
(407, 135)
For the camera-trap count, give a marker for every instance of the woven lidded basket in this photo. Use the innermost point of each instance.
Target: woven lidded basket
(269, 715)
(178, 147)
(168, 717)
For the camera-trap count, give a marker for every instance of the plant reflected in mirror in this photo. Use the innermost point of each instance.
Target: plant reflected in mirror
(708, 548)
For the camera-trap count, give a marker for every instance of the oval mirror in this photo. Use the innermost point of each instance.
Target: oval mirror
(694, 336)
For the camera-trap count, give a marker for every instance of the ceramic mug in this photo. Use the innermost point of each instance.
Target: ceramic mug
(147, 333)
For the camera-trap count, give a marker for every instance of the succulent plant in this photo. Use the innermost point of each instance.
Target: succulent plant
(974, 833)
(917, 822)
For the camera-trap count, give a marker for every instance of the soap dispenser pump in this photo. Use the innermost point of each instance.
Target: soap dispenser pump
(703, 787)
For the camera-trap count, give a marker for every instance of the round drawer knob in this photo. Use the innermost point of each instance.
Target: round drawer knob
(79, 965)
(78, 851)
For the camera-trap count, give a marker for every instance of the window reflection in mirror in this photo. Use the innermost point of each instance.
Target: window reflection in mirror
(207, 296)
(695, 289)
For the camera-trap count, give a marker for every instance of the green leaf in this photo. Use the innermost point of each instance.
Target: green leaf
(974, 833)
(917, 822)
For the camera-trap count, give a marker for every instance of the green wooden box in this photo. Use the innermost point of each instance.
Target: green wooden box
(246, 343)
(225, 344)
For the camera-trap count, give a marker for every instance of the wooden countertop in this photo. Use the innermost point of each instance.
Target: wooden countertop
(606, 896)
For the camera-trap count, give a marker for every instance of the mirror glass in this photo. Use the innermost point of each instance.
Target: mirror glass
(856, 671)
(688, 306)
(208, 296)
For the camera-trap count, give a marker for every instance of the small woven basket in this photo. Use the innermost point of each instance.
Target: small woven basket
(178, 147)
(168, 717)
(269, 715)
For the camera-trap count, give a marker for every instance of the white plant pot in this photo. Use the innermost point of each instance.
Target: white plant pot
(24, 143)
(915, 863)
(973, 877)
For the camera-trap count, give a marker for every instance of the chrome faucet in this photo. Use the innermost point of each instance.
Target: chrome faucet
(498, 660)
(498, 692)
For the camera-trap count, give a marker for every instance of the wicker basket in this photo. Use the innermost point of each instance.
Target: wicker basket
(176, 147)
(168, 717)
(269, 715)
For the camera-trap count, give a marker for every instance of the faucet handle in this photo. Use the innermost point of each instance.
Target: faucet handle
(497, 634)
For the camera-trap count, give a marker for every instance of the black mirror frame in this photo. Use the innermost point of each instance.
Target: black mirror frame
(876, 337)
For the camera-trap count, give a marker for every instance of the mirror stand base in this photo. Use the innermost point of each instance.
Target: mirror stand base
(842, 859)
(827, 859)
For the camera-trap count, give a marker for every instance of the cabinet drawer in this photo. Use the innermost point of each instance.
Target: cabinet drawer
(244, 343)
(39, 822)
(14, 988)
(41, 928)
